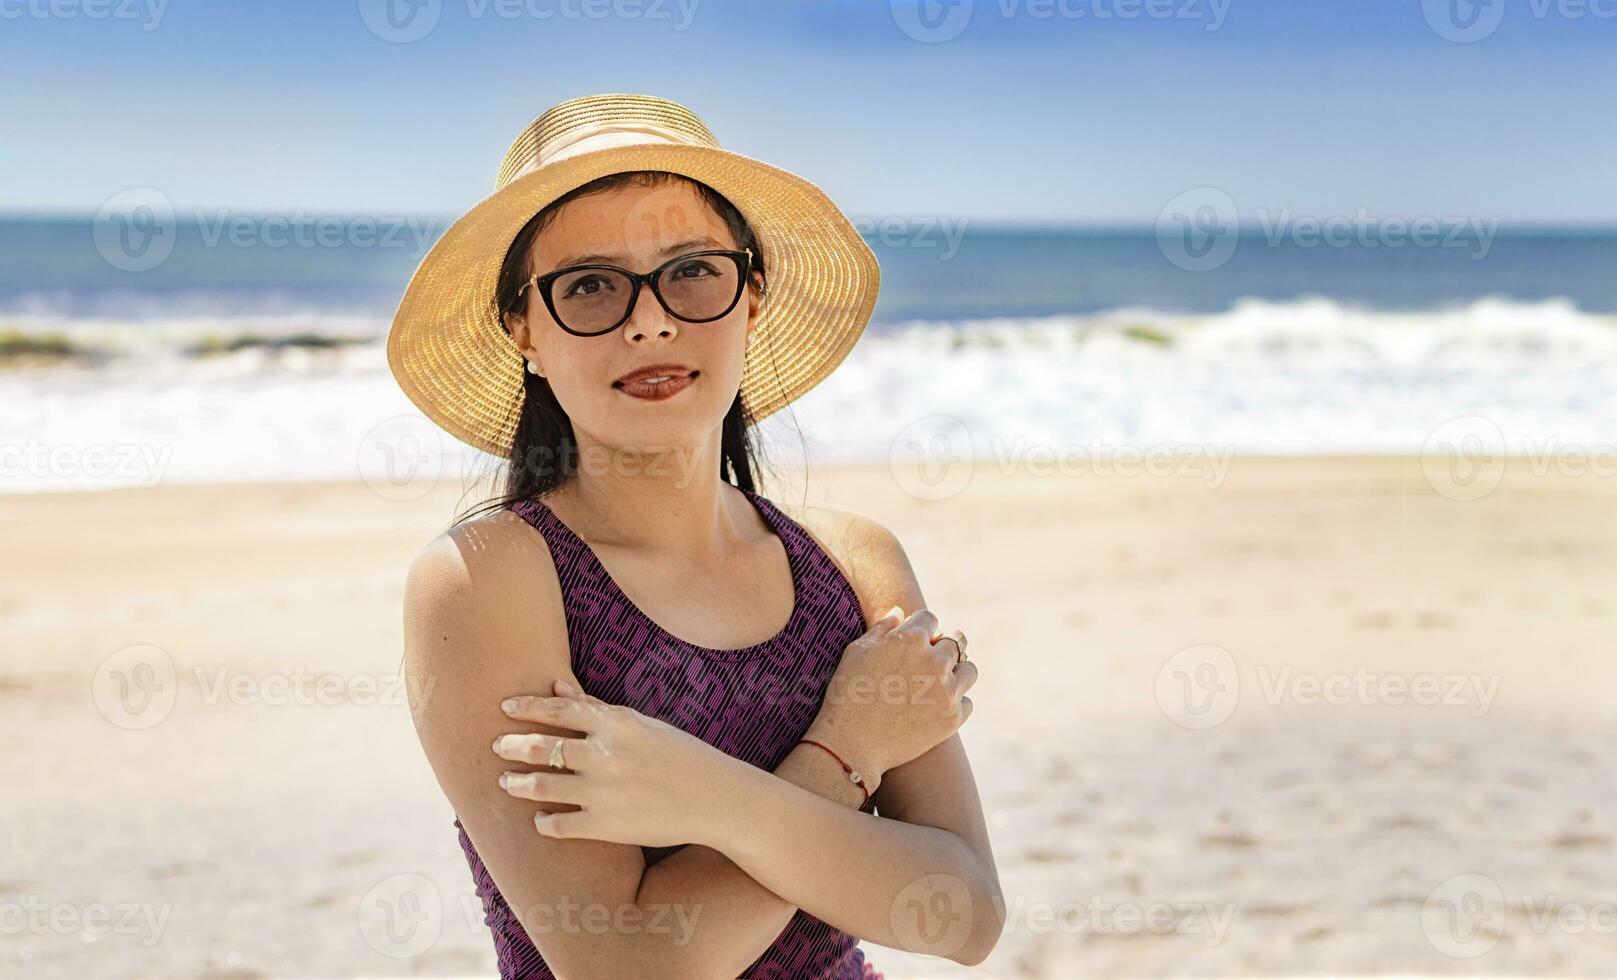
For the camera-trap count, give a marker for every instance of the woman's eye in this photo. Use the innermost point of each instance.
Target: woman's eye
(586, 286)
(694, 269)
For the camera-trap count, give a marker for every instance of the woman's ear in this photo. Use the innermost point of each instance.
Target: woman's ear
(517, 326)
(755, 303)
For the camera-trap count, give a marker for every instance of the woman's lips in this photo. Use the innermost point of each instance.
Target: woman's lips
(654, 390)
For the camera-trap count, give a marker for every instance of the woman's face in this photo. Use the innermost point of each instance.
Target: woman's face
(637, 228)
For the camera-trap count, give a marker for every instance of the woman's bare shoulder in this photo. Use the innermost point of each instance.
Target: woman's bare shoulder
(841, 528)
(490, 577)
(465, 556)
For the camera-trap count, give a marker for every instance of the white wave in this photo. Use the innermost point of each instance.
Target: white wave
(1300, 377)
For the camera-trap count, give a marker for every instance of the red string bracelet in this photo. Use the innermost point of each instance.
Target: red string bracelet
(853, 774)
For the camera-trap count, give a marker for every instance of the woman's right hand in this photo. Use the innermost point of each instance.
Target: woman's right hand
(896, 694)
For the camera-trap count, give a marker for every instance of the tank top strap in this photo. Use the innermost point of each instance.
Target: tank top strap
(814, 568)
(536, 513)
(799, 546)
(574, 560)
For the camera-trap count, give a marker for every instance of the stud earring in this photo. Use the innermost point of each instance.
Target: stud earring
(533, 369)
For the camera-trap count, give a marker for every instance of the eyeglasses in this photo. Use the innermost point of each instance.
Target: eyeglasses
(697, 287)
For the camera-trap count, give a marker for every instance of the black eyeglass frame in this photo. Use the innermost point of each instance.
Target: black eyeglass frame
(741, 257)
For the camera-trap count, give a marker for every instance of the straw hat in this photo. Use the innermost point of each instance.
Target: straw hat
(449, 350)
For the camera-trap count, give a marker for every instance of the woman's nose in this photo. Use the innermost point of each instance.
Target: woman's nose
(649, 318)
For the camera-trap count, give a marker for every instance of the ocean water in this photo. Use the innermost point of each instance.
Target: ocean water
(231, 347)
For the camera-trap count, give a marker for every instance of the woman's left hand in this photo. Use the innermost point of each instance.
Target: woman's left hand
(639, 780)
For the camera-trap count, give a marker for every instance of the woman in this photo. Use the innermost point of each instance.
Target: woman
(652, 776)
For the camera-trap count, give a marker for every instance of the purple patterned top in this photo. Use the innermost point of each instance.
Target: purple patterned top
(753, 703)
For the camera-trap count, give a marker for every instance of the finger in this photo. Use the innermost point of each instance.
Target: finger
(965, 709)
(535, 749)
(888, 621)
(563, 825)
(560, 712)
(962, 678)
(574, 691)
(589, 698)
(544, 787)
(950, 653)
(921, 621)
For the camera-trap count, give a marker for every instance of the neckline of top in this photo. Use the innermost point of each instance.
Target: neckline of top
(776, 522)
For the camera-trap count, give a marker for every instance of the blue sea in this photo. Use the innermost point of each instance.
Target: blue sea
(943, 269)
(240, 346)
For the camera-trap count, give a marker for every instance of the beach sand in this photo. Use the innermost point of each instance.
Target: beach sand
(1303, 715)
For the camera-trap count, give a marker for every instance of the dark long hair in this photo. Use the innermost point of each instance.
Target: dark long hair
(544, 452)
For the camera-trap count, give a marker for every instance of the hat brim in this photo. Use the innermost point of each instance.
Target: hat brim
(451, 355)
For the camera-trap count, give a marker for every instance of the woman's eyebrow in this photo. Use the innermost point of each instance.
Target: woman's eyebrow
(591, 258)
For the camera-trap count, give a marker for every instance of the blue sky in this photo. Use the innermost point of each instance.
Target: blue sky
(1046, 111)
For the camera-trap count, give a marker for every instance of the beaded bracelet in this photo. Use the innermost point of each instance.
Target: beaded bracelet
(853, 774)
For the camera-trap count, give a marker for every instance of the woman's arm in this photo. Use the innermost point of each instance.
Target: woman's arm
(695, 870)
(908, 886)
(896, 879)
(483, 620)
(912, 887)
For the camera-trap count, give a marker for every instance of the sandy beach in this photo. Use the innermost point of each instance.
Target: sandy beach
(1281, 716)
